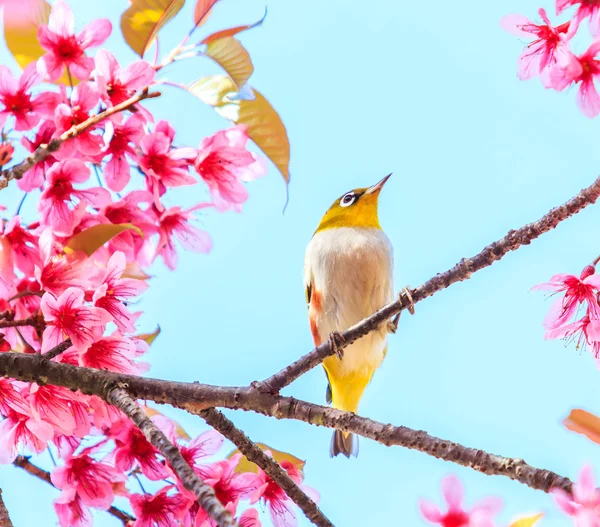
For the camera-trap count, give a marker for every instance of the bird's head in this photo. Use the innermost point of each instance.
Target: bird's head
(357, 208)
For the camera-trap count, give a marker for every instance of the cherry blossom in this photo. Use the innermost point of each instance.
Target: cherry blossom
(584, 505)
(71, 511)
(22, 429)
(64, 48)
(22, 244)
(124, 136)
(481, 515)
(34, 177)
(584, 332)
(223, 163)
(156, 510)
(587, 8)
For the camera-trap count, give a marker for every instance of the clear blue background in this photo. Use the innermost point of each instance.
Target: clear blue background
(428, 92)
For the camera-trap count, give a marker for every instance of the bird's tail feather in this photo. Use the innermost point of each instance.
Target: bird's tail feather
(343, 443)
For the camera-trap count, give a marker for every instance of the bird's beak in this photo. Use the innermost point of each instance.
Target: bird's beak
(376, 188)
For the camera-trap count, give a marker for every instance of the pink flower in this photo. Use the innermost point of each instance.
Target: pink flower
(587, 8)
(71, 511)
(64, 48)
(34, 177)
(61, 408)
(585, 332)
(66, 317)
(27, 110)
(21, 429)
(584, 504)
(110, 353)
(57, 202)
(115, 291)
(277, 501)
(117, 171)
(158, 510)
(174, 223)
(84, 98)
(223, 163)
(206, 444)
(577, 290)
(92, 480)
(23, 245)
(546, 51)
(117, 85)
(582, 70)
(479, 516)
(132, 447)
(166, 167)
(198, 517)
(61, 272)
(11, 399)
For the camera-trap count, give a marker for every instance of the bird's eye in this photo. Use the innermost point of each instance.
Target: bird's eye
(348, 199)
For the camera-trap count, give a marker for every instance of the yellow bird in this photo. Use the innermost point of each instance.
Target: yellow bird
(348, 271)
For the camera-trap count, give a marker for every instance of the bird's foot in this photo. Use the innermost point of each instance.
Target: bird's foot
(392, 324)
(335, 340)
(406, 299)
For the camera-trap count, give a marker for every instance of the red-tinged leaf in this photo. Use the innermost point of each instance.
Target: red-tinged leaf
(265, 127)
(181, 433)
(96, 236)
(232, 57)
(202, 10)
(143, 20)
(247, 466)
(21, 21)
(526, 521)
(149, 338)
(232, 31)
(585, 423)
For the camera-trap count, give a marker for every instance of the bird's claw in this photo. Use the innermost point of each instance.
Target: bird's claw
(406, 299)
(392, 324)
(335, 340)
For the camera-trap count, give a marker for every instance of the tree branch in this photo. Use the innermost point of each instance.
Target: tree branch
(40, 473)
(4, 517)
(198, 397)
(58, 349)
(461, 271)
(254, 454)
(29, 321)
(120, 398)
(43, 151)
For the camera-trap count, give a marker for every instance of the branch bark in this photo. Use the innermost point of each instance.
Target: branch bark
(40, 473)
(43, 151)
(120, 398)
(254, 454)
(4, 517)
(463, 270)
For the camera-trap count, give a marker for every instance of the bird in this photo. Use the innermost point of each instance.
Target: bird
(348, 275)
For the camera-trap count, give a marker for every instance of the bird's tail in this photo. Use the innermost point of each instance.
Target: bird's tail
(343, 443)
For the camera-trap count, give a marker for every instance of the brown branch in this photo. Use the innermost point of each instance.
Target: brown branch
(120, 398)
(24, 463)
(461, 271)
(43, 151)
(29, 321)
(4, 517)
(58, 349)
(254, 454)
(197, 397)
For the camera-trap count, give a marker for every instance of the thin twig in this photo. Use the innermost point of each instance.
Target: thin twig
(43, 151)
(58, 349)
(461, 271)
(24, 463)
(4, 517)
(197, 397)
(29, 321)
(254, 454)
(120, 398)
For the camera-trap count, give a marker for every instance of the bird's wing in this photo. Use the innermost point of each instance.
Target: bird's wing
(308, 279)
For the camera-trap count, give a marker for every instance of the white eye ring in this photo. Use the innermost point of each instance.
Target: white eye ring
(348, 199)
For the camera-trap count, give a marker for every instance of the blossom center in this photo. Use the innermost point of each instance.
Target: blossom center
(18, 102)
(456, 519)
(68, 48)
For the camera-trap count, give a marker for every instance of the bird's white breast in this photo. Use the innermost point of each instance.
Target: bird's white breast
(351, 268)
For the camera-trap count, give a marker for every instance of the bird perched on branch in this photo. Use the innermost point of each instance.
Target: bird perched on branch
(348, 271)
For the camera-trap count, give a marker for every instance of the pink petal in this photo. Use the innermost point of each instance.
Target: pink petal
(8, 84)
(61, 20)
(557, 315)
(490, 505)
(564, 501)
(97, 196)
(74, 169)
(588, 99)
(117, 173)
(137, 75)
(453, 492)
(86, 96)
(81, 67)
(29, 77)
(95, 33)
(513, 24)
(107, 65)
(430, 511)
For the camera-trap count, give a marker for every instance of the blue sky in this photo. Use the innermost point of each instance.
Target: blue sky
(428, 92)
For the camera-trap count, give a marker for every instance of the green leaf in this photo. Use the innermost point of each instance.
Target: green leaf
(90, 240)
(265, 127)
(143, 20)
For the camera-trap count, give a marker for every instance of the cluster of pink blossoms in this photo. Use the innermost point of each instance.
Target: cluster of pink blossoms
(50, 294)
(583, 506)
(579, 299)
(549, 55)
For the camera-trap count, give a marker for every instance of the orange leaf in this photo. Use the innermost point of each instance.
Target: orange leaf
(151, 412)
(232, 31)
(91, 239)
(585, 423)
(134, 270)
(143, 20)
(149, 338)
(229, 53)
(202, 10)
(265, 127)
(526, 521)
(247, 466)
